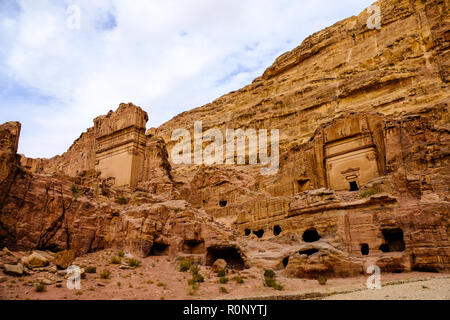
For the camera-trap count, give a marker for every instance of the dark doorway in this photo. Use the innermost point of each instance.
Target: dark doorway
(353, 186)
(364, 249)
(285, 261)
(223, 203)
(247, 232)
(276, 230)
(311, 235)
(159, 249)
(259, 233)
(393, 240)
(303, 185)
(229, 254)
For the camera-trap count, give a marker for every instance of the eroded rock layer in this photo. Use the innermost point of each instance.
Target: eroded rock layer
(363, 119)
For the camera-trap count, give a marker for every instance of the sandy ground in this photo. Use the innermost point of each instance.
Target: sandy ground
(433, 289)
(159, 278)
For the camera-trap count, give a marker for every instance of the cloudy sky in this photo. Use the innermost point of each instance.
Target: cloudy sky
(58, 72)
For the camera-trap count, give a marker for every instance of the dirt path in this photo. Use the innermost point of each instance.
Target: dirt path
(433, 289)
(159, 278)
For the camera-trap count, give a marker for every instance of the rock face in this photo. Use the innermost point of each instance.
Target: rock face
(363, 119)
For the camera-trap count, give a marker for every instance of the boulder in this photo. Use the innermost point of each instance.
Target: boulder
(64, 259)
(13, 269)
(218, 265)
(35, 260)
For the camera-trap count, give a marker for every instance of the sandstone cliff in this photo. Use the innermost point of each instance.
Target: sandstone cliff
(364, 124)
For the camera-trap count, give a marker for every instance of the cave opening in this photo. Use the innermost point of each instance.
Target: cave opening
(247, 232)
(364, 249)
(353, 186)
(223, 203)
(311, 235)
(308, 252)
(285, 261)
(194, 246)
(303, 185)
(259, 233)
(159, 249)
(276, 230)
(393, 240)
(229, 254)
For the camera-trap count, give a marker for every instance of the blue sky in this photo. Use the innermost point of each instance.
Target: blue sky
(165, 56)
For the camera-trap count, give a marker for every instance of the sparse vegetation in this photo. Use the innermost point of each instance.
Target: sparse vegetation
(91, 269)
(134, 263)
(196, 276)
(116, 260)
(239, 279)
(122, 200)
(161, 284)
(185, 265)
(105, 274)
(270, 280)
(75, 191)
(322, 280)
(368, 193)
(269, 273)
(195, 281)
(223, 280)
(79, 293)
(39, 287)
(221, 273)
(119, 284)
(223, 290)
(120, 254)
(150, 282)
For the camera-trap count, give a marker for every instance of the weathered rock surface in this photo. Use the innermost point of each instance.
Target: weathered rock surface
(364, 171)
(13, 269)
(35, 260)
(218, 265)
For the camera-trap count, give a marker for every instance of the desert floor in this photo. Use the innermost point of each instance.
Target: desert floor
(159, 278)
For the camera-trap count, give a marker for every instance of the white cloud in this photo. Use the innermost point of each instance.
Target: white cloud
(166, 56)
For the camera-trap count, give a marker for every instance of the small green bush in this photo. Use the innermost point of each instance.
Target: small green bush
(239, 279)
(221, 273)
(269, 273)
(39, 287)
(185, 265)
(223, 290)
(75, 192)
(122, 200)
(322, 280)
(134, 263)
(223, 280)
(91, 269)
(120, 254)
(196, 276)
(116, 260)
(269, 280)
(368, 193)
(105, 274)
